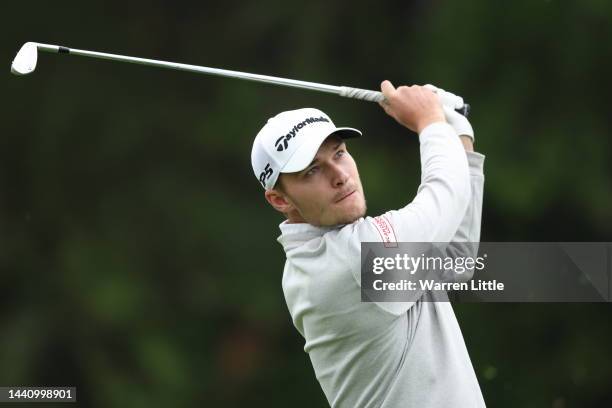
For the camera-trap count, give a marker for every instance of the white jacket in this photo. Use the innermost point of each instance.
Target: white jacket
(400, 354)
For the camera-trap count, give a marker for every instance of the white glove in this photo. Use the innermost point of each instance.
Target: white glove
(459, 122)
(450, 102)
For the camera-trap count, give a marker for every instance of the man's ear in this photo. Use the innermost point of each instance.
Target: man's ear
(279, 201)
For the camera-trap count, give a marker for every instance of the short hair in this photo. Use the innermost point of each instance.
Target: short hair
(279, 184)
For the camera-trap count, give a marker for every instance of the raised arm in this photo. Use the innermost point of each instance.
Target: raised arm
(435, 213)
(442, 198)
(465, 241)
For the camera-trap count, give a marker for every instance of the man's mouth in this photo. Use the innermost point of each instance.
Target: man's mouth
(346, 196)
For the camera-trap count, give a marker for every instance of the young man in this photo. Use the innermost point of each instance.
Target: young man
(386, 354)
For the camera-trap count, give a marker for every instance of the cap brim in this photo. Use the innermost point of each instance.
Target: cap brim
(306, 153)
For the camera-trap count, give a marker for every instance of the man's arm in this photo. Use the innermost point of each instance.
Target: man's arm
(469, 229)
(442, 198)
(435, 214)
(467, 142)
(465, 241)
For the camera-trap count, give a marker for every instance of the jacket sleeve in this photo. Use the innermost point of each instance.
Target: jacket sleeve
(436, 212)
(466, 239)
(442, 197)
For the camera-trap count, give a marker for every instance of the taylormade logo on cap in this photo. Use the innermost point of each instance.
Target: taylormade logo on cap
(281, 143)
(289, 142)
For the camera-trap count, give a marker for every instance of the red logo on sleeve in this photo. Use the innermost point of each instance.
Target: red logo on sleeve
(385, 229)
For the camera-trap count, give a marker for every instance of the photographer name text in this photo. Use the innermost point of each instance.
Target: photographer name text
(406, 285)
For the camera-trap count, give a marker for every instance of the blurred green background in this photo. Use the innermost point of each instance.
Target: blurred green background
(138, 256)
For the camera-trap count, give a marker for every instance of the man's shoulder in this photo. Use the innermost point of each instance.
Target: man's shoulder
(369, 229)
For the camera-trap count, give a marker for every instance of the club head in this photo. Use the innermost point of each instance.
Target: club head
(25, 60)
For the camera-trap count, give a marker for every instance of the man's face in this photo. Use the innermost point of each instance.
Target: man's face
(327, 192)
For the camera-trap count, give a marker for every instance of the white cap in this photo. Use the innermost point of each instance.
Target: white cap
(289, 142)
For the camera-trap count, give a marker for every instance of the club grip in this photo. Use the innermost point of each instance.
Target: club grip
(357, 93)
(375, 96)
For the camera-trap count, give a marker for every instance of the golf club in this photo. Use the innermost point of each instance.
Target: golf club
(25, 63)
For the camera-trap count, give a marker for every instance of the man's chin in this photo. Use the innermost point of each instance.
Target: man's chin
(346, 218)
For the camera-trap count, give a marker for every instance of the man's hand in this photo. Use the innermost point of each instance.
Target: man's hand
(414, 107)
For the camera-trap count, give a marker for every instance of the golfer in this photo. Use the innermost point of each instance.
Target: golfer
(385, 354)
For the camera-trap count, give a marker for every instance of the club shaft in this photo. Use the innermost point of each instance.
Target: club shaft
(193, 68)
(345, 91)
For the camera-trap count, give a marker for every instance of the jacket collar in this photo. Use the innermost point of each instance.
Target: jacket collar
(296, 234)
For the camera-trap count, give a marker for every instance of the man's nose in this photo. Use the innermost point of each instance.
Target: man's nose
(339, 176)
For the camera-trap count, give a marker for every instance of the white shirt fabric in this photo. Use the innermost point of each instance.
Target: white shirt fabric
(388, 354)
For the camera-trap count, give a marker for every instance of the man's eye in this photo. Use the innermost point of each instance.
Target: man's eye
(312, 171)
(340, 153)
